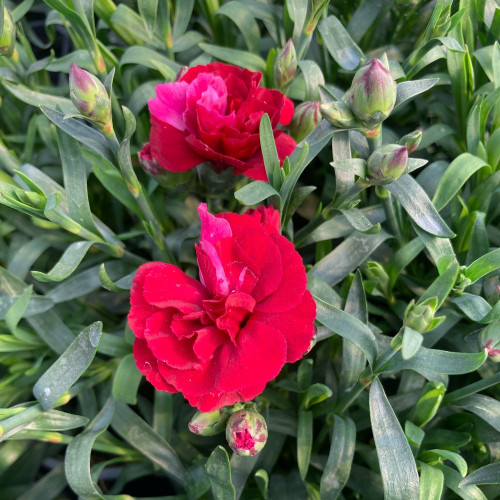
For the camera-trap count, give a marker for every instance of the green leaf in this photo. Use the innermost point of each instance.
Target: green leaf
(436, 361)
(483, 266)
(268, 147)
(353, 359)
(431, 482)
(218, 471)
(473, 306)
(80, 131)
(440, 249)
(409, 90)
(255, 192)
(455, 176)
(397, 465)
(142, 437)
(412, 341)
(418, 206)
(79, 451)
(245, 22)
(442, 285)
(347, 256)
(149, 58)
(483, 406)
(338, 466)
(126, 381)
(17, 309)
(237, 57)
(67, 264)
(48, 487)
(452, 480)
(108, 283)
(183, 12)
(433, 455)
(304, 442)
(339, 43)
(489, 474)
(348, 327)
(316, 393)
(148, 10)
(69, 367)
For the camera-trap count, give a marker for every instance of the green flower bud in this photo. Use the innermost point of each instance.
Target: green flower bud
(339, 113)
(386, 164)
(90, 98)
(372, 94)
(419, 317)
(428, 403)
(246, 432)
(489, 339)
(305, 119)
(411, 141)
(208, 424)
(285, 65)
(317, 8)
(8, 34)
(376, 272)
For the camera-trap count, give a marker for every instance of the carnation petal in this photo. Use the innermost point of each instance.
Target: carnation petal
(165, 346)
(167, 286)
(148, 366)
(170, 148)
(286, 111)
(296, 324)
(169, 104)
(247, 363)
(293, 280)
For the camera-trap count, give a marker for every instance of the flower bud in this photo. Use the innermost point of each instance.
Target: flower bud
(376, 272)
(305, 119)
(317, 8)
(420, 317)
(8, 34)
(386, 164)
(246, 432)
(208, 424)
(285, 65)
(90, 97)
(372, 94)
(411, 141)
(148, 163)
(339, 113)
(489, 339)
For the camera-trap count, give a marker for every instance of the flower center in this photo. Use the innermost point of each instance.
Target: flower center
(231, 312)
(244, 440)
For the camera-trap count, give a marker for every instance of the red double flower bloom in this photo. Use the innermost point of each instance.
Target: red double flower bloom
(221, 339)
(212, 113)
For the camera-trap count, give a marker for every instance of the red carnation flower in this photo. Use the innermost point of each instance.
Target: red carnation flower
(219, 341)
(213, 113)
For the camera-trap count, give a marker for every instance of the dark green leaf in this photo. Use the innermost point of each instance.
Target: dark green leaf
(489, 474)
(219, 474)
(304, 442)
(338, 466)
(397, 465)
(69, 367)
(127, 380)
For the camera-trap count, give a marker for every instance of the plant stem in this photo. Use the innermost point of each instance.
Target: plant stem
(390, 215)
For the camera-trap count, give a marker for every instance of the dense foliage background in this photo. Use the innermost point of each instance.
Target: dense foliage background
(359, 417)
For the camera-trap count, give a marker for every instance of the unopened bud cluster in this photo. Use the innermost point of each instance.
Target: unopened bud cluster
(246, 430)
(420, 317)
(368, 102)
(90, 98)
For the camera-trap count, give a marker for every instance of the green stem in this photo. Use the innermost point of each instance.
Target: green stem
(19, 420)
(375, 142)
(349, 398)
(137, 191)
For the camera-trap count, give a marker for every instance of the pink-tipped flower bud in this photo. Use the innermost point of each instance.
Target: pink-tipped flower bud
(372, 94)
(305, 119)
(387, 163)
(246, 432)
(285, 65)
(209, 423)
(411, 141)
(8, 34)
(339, 113)
(90, 97)
(147, 161)
(489, 339)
